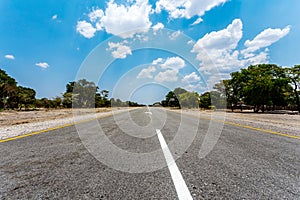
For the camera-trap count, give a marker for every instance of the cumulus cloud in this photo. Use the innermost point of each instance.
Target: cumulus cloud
(147, 72)
(198, 21)
(86, 29)
(157, 61)
(254, 59)
(265, 39)
(171, 67)
(95, 17)
(96, 14)
(218, 51)
(187, 8)
(191, 78)
(168, 69)
(9, 56)
(119, 50)
(119, 19)
(167, 76)
(43, 65)
(218, 47)
(158, 27)
(54, 17)
(174, 63)
(191, 42)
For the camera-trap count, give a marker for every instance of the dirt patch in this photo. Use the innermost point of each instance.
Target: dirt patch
(8, 118)
(283, 123)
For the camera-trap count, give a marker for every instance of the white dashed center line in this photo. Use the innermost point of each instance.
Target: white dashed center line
(182, 190)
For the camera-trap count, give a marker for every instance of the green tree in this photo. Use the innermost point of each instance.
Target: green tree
(205, 100)
(56, 102)
(189, 99)
(68, 99)
(260, 85)
(227, 93)
(80, 94)
(294, 75)
(172, 100)
(26, 97)
(178, 91)
(8, 91)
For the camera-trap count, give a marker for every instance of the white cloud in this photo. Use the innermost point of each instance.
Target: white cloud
(191, 42)
(265, 39)
(157, 27)
(9, 56)
(186, 8)
(54, 17)
(123, 20)
(227, 38)
(198, 21)
(174, 63)
(119, 50)
(218, 47)
(86, 29)
(262, 57)
(96, 15)
(175, 35)
(167, 76)
(157, 61)
(43, 65)
(218, 51)
(147, 72)
(191, 78)
(171, 67)
(194, 87)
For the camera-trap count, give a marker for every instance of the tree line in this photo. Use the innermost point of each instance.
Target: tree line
(78, 94)
(259, 87)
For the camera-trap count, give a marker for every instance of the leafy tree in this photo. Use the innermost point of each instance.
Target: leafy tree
(205, 100)
(189, 99)
(26, 97)
(45, 102)
(68, 98)
(294, 75)
(178, 91)
(260, 85)
(80, 94)
(172, 100)
(8, 91)
(70, 87)
(227, 93)
(56, 102)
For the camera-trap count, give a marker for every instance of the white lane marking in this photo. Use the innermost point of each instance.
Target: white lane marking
(182, 190)
(149, 112)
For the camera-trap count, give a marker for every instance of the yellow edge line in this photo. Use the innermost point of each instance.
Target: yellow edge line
(245, 126)
(53, 128)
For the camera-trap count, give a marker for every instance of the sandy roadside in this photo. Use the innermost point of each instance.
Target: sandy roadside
(282, 123)
(13, 123)
(9, 118)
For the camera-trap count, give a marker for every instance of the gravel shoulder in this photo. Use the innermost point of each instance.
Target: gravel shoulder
(282, 123)
(15, 123)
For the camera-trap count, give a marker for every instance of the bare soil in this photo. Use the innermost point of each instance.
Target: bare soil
(9, 118)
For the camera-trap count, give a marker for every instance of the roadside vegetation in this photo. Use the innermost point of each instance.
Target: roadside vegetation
(258, 87)
(80, 94)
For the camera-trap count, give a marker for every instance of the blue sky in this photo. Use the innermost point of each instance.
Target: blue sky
(45, 44)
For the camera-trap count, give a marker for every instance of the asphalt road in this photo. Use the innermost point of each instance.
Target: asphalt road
(68, 163)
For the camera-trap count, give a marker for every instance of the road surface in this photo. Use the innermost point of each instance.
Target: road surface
(244, 163)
